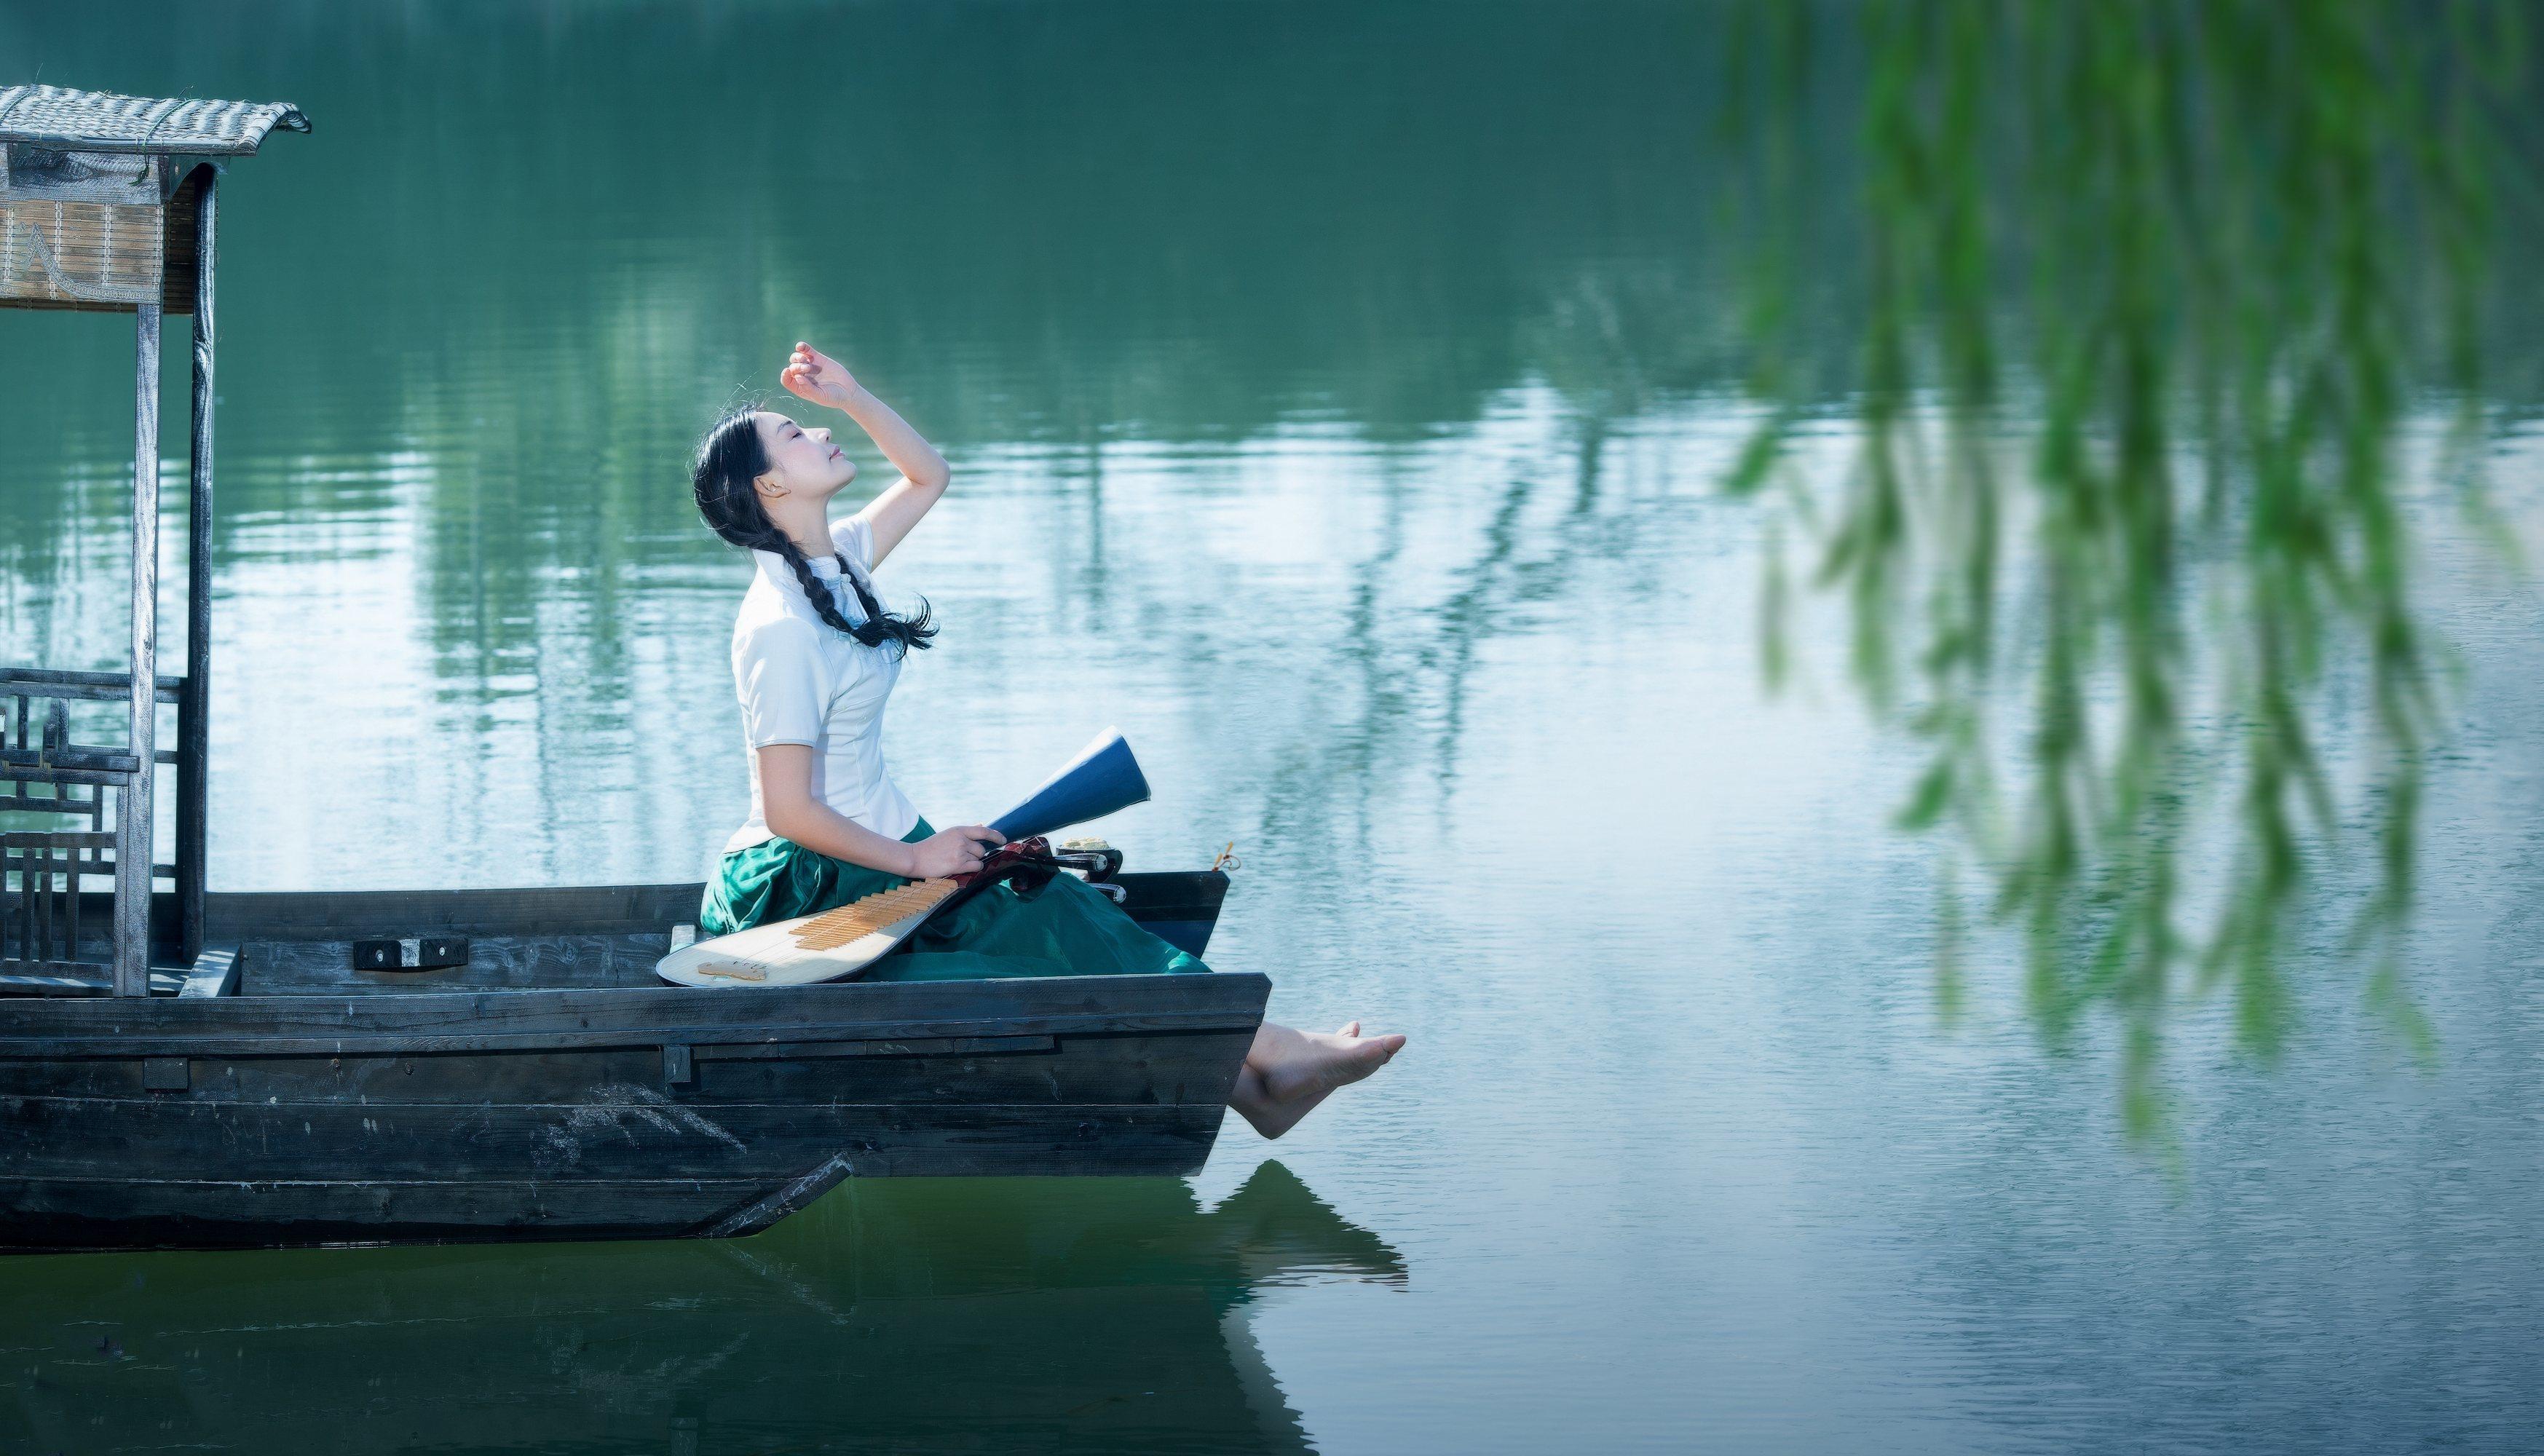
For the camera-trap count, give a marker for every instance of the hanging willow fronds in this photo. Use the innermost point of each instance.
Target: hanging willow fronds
(2147, 291)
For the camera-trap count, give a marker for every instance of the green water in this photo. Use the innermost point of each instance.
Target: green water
(1341, 399)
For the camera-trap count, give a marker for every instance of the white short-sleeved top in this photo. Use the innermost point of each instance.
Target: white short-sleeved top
(803, 681)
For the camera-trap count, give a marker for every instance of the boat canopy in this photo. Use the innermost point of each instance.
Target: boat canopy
(61, 120)
(108, 204)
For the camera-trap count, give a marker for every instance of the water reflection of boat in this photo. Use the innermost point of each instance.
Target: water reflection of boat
(184, 1069)
(1086, 1314)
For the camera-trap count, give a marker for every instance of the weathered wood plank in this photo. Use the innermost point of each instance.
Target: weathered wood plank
(620, 1132)
(1175, 895)
(79, 758)
(1187, 1067)
(499, 963)
(194, 704)
(333, 914)
(120, 1077)
(215, 973)
(780, 1051)
(101, 687)
(244, 1026)
(696, 1037)
(58, 774)
(109, 1214)
(1178, 895)
(76, 978)
(133, 799)
(798, 1195)
(55, 977)
(1193, 1068)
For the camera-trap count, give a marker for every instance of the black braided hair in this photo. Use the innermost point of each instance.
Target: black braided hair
(729, 460)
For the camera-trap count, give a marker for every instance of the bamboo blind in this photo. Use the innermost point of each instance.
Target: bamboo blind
(81, 255)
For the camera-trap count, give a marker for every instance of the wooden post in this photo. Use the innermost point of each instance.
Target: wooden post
(133, 820)
(194, 704)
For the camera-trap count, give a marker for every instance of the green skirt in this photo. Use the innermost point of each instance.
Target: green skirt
(1065, 928)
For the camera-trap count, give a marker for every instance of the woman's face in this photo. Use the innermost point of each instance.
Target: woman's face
(802, 462)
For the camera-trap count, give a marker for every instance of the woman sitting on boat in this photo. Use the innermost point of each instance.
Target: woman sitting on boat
(814, 657)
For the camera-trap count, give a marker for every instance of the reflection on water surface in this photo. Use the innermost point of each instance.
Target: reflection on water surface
(1099, 1315)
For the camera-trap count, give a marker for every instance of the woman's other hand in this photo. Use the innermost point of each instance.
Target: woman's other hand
(818, 377)
(956, 851)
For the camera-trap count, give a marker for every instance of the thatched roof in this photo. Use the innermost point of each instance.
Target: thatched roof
(97, 122)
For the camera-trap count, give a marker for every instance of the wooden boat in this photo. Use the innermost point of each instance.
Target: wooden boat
(552, 1088)
(186, 1069)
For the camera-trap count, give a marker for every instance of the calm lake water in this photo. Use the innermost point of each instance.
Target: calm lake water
(1340, 396)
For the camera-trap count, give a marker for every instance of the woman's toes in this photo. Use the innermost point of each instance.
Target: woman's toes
(1364, 1056)
(1379, 1050)
(1350, 1029)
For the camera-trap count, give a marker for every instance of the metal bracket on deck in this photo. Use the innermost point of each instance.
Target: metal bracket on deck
(680, 1066)
(414, 952)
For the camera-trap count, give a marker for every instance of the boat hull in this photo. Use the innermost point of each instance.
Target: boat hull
(379, 1115)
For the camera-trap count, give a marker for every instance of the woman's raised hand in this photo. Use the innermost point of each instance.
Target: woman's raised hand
(956, 851)
(818, 377)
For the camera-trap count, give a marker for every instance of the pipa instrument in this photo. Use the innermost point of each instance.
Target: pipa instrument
(837, 942)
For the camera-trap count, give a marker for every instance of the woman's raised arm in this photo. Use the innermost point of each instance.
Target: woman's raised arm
(818, 377)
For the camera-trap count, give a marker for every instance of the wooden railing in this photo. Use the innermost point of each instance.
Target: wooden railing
(47, 947)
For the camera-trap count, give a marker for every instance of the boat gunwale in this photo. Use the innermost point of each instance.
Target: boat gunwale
(563, 909)
(379, 1023)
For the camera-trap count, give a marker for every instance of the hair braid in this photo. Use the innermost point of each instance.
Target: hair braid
(819, 594)
(729, 460)
(920, 626)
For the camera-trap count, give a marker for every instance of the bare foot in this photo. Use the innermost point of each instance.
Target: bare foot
(1299, 1063)
(1288, 1072)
